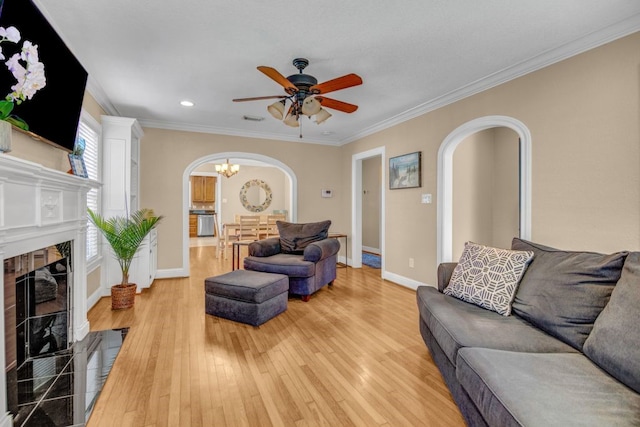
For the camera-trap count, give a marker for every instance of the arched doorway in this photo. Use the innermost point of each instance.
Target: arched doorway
(221, 157)
(445, 178)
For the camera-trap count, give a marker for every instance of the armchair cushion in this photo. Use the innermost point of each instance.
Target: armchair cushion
(317, 251)
(265, 247)
(294, 238)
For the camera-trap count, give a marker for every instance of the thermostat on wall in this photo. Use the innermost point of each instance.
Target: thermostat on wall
(327, 193)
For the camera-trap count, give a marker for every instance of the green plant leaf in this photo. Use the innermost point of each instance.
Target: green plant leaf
(125, 234)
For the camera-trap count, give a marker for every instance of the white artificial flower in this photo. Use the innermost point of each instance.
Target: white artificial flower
(29, 52)
(12, 34)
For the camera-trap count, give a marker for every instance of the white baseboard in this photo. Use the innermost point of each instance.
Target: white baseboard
(95, 297)
(403, 281)
(171, 273)
(371, 250)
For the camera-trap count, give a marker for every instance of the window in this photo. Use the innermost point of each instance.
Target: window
(89, 130)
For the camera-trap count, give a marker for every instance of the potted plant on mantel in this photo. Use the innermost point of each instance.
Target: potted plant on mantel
(125, 235)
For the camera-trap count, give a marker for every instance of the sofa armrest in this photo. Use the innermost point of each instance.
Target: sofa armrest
(265, 247)
(318, 251)
(445, 270)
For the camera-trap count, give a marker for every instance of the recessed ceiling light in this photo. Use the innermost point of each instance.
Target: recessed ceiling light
(187, 103)
(327, 133)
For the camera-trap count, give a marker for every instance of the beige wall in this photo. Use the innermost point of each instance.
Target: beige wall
(371, 176)
(231, 187)
(166, 154)
(486, 189)
(473, 166)
(583, 116)
(506, 191)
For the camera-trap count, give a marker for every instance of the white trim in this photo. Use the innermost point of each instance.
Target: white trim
(445, 178)
(405, 281)
(95, 297)
(371, 250)
(356, 207)
(6, 420)
(234, 132)
(216, 157)
(171, 273)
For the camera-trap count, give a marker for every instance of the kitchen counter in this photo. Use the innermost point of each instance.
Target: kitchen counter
(201, 211)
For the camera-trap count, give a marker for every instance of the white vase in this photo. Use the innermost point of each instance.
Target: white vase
(5, 136)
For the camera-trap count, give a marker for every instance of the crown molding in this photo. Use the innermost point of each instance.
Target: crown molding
(549, 57)
(96, 91)
(231, 132)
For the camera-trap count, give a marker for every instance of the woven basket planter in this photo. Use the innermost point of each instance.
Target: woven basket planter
(123, 296)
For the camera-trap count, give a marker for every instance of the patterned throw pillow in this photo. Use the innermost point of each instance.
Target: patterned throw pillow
(488, 277)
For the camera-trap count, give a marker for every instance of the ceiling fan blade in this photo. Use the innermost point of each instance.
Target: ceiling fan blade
(257, 98)
(274, 75)
(337, 105)
(336, 84)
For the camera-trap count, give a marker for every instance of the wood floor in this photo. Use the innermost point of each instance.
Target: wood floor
(352, 355)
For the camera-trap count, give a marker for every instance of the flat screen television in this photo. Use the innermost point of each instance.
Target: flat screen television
(53, 112)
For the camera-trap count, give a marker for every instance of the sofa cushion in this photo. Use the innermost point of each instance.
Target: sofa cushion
(456, 324)
(290, 264)
(613, 342)
(537, 389)
(563, 292)
(295, 237)
(488, 277)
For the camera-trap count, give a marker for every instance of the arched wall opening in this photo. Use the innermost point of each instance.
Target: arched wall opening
(445, 178)
(221, 157)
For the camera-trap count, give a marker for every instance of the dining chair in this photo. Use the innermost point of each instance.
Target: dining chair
(249, 228)
(270, 228)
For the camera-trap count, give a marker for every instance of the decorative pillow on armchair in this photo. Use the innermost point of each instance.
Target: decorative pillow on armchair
(295, 237)
(488, 277)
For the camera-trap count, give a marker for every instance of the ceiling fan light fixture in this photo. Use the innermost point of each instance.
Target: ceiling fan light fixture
(276, 109)
(322, 115)
(311, 106)
(291, 120)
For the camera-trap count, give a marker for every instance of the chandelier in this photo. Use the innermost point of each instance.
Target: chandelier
(227, 169)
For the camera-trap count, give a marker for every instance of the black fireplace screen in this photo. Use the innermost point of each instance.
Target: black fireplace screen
(42, 315)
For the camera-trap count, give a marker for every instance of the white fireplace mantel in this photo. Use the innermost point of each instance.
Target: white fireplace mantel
(40, 207)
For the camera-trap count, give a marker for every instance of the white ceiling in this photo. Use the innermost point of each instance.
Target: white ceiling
(145, 56)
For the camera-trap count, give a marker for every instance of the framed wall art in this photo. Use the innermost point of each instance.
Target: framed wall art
(405, 171)
(77, 166)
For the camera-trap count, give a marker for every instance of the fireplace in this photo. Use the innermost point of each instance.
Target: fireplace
(37, 293)
(42, 248)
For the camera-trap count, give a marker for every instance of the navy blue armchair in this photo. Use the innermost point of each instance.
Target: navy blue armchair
(307, 272)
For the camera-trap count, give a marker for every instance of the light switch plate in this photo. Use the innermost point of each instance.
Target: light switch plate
(426, 198)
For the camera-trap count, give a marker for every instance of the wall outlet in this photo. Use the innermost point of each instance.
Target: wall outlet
(426, 198)
(411, 262)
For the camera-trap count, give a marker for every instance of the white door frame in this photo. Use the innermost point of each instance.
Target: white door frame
(356, 207)
(220, 157)
(445, 178)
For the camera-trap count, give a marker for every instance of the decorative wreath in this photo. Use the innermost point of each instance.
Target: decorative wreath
(255, 183)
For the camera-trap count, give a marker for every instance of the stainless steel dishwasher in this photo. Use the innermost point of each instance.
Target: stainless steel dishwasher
(205, 225)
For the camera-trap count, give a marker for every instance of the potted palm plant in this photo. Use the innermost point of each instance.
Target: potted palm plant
(125, 235)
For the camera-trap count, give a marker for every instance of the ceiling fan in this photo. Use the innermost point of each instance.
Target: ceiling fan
(303, 94)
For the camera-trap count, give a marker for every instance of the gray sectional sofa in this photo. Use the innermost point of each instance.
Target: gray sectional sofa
(568, 355)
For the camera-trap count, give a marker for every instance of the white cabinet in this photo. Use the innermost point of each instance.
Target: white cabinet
(120, 166)
(120, 196)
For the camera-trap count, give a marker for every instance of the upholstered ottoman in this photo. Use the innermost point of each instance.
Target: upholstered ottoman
(251, 297)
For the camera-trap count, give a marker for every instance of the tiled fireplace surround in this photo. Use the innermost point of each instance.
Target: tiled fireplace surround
(40, 207)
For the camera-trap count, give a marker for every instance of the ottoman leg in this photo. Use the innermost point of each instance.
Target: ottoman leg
(306, 298)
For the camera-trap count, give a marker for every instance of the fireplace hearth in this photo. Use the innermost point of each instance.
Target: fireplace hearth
(41, 211)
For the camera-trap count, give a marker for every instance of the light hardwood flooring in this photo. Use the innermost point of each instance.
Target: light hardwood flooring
(352, 355)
